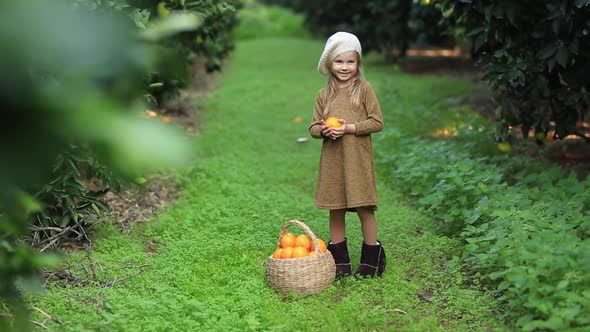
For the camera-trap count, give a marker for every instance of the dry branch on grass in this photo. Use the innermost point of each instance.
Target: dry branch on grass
(42, 238)
(68, 274)
(128, 207)
(47, 318)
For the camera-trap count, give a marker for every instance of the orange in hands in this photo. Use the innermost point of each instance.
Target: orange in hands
(332, 122)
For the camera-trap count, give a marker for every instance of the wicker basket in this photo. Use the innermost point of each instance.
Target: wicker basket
(305, 275)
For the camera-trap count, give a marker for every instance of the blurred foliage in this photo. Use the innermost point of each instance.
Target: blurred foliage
(73, 108)
(259, 21)
(537, 60)
(206, 43)
(19, 264)
(382, 25)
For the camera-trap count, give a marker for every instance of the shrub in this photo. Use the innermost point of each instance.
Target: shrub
(537, 61)
(381, 25)
(525, 226)
(69, 204)
(531, 239)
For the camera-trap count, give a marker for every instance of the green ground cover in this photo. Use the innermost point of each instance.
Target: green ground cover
(249, 178)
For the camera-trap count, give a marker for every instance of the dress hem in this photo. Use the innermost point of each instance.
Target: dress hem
(372, 205)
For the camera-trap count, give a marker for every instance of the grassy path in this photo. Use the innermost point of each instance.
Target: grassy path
(207, 272)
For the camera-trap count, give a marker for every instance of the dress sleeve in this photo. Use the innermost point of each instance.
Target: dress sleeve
(374, 121)
(315, 128)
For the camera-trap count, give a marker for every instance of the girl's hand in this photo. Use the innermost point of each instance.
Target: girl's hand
(326, 132)
(340, 131)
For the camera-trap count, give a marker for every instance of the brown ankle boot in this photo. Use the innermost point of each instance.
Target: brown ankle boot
(340, 253)
(372, 261)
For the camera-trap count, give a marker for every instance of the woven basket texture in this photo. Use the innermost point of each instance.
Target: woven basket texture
(304, 276)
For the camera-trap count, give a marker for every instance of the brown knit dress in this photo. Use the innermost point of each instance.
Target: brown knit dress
(346, 176)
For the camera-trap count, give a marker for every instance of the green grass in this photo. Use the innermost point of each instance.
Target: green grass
(249, 179)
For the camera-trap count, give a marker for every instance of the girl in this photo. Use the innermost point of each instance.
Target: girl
(346, 177)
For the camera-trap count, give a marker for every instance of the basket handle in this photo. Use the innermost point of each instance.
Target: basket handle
(307, 230)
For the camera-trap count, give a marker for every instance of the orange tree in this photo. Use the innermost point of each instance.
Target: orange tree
(537, 60)
(382, 25)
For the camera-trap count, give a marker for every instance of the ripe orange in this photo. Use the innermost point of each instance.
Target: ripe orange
(322, 244)
(332, 122)
(311, 253)
(277, 253)
(504, 147)
(287, 253)
(150, 114)
(299, 252)
(288, 240)
(303, 241)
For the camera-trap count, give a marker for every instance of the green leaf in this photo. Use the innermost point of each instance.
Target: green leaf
(488, 12)
(170, 25)
(29, 204)
(476, 31)
(573, 47)
(95, 208)
(447, 13)
(551, 64)
(479, 41)
(162, 9)
(547, 52)
(65, 221)
(562, 284)
(511, 14)
(562, 56)
(555, 25)
(140, 180)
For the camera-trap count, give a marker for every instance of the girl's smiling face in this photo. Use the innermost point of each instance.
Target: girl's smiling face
(344, 67)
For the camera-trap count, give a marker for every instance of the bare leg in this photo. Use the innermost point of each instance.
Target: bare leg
(337, 225)
(337, 245)
(368, 225)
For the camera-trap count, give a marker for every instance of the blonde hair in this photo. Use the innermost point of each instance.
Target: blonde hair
(354, 90)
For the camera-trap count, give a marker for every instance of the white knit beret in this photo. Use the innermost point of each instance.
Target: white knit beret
(337, 44)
